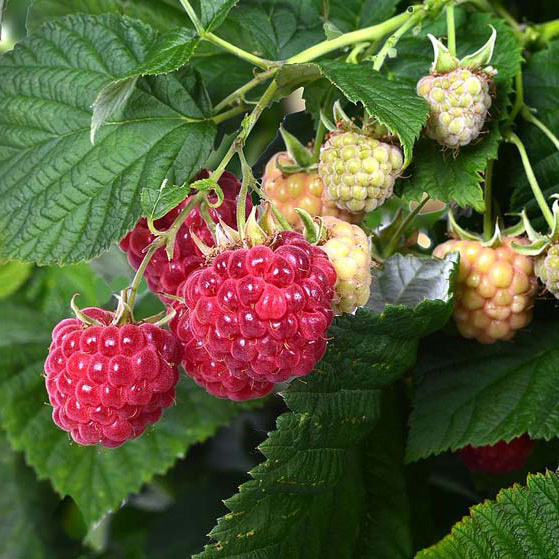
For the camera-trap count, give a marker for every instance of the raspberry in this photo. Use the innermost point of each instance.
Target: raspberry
(107, 383)
(348, 249)
(459, 102)
(256, 317)
(547, 269)
(303, 190)
(359, 171)
(495, 290)
(500, 458)
(162, 275)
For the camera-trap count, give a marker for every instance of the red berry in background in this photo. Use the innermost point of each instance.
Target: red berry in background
(162, 275)
(256, 317)
(107, 383)
(500, 458)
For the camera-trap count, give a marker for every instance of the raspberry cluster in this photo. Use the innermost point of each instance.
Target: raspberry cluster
(359, 171)
(459, 102)
(304, 190)
(500, 458)
(256, 317)
(107, 383)
(495, 289)
(348, 249)
(162, 275)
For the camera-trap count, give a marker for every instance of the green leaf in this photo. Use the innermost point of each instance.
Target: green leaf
(26, 530)
(170, 52)
(520, 524)
(62, 199)
(214, 12)
(12, 276)
(349, 15)
(469, 394)
(157, 204)
(164, 15)
(97, 479)
(309, 481)
(541, 85)
(392, 102)
(448, 177)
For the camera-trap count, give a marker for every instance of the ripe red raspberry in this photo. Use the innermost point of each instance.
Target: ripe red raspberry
(500, 458)
(162, 275)
(256, 317)
(106, 383)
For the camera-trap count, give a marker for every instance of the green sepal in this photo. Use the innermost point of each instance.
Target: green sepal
(496, 240)
(313, 228)
(533, 249)
(302, 156)
(518, 229)
(342, 120)
(254, 234)
(325, 119)
(482, 56)
(444, 61)
(458, 232)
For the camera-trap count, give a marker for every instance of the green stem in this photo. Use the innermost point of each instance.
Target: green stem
(488, 215)
(530, 117)
(318, 139)
(247, 126)
(519, 99)
(238, 94)
(395, 238)
(418, 15)
(547, 31)
(507, 17)
(240, 53)
(226, 115)
(248, 178)
(366, 34)
(277, 214)
(171, 233)
(451, 32)
(153, 248)
(205, 213)
(193, 17)
(538, 194)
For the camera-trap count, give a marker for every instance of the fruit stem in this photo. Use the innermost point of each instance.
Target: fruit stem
(547, 31)
(530, 117)
(519, 99)
(488, 214)
(451, 32)
(540, 199)
(417, 14)
(208, 36)
(238, 94)
(366, 34)
(395, 238)
(248, 179)
(226, 115)
(277, 214)
(318, 139)
(205, 213)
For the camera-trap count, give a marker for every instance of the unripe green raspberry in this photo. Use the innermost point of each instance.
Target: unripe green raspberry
(359, 171)
(348, 250)
(459, 102)
(495, 289)
(547, 269)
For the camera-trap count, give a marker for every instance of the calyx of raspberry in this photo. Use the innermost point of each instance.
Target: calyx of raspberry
(302, 157)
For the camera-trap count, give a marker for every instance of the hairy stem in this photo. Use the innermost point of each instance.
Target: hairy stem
(530, 117)
(488, 214)
(366, 34)
(418, 15)
(240, 53)
(152, 249)
(238, 94)
(205, 213)
(538, 194)
(451, 32)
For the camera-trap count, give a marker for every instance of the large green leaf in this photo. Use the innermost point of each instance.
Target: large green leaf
(62, 198)
(473, 394)
(161, 14)
(98, 480)
(309, 482)
(520, 524)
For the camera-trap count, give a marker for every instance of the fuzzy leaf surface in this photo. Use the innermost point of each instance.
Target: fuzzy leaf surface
(308, 482)
(521, 523)
(63, 199)
(97, 479)
(469, 394)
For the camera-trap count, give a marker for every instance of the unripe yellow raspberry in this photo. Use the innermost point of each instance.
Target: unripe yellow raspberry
(348, 249)
(359, 171)
(299, 190)
(547, 269)
(495, 289)
(459, 102)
